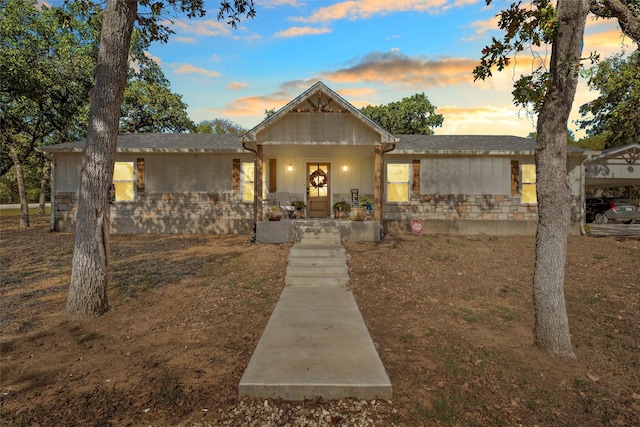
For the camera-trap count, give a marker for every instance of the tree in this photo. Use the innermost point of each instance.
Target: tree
(148, 104)
(46, 64)
(412, 115)
(551, 93)
(219, 126)
(89, 275)
(151, 107)
(616, 112)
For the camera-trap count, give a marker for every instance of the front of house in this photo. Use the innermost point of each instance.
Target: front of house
(319, 150)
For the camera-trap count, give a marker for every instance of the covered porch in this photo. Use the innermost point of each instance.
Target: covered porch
(316, 151)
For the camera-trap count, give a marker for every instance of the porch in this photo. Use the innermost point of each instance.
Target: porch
(286, 230)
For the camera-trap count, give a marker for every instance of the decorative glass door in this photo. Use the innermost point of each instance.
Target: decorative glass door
(318, 185)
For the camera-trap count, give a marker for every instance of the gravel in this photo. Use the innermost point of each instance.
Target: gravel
(265, 413)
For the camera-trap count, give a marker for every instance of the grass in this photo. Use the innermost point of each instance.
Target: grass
(458, 351)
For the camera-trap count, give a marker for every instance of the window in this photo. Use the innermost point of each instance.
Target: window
(124, 181)
(248, 181)
(398, 180)
(528, 183)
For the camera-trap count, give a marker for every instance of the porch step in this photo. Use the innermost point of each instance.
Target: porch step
(317, 258)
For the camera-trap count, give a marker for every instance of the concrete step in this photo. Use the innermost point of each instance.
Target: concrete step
(330, 282)
(317, 271)
(314, 251)
(319, 241)
(316, 262)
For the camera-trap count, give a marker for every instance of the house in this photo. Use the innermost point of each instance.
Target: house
(317, 149)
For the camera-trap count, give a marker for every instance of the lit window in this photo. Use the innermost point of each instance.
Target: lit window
(124, 180)
(398, 179)
(528, 183)
(248, 178)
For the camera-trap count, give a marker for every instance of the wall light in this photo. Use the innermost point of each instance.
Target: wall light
(290, 167)
(345, 168)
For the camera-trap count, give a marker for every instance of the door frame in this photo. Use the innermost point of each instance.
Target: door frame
(317, 164)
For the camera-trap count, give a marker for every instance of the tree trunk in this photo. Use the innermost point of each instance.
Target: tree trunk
(22, 191)
(89, 276)
(46, 171)
(551, 322)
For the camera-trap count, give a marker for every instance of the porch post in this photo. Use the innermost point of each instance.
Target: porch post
(257, 185)
(377, 185)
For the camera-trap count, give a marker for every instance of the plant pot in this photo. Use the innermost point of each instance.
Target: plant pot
(358, 214)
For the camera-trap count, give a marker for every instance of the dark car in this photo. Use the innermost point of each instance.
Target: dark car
(603, 209)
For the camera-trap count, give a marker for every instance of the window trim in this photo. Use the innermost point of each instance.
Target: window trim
(522, 183)
(133, 181)
(244, 181)
(408, 183)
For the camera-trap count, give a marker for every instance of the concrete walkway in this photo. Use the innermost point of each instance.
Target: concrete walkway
(316, 343)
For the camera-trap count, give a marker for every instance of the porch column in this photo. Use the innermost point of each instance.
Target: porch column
(377, 185)
(257, 185)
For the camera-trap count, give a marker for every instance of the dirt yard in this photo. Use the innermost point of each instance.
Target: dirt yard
(451, 317)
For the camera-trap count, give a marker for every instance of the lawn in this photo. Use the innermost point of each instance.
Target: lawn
(451, 317)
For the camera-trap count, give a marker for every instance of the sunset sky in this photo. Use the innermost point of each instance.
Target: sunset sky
(369, 51)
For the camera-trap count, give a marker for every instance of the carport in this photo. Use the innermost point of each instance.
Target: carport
(614, 167)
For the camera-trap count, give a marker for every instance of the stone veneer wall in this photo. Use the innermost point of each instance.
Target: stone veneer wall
(470, 214)
(467, 207)
(216, 213)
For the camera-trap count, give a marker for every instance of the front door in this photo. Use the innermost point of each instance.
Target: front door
(318, 190)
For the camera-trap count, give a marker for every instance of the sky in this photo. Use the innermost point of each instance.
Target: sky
(370, 52)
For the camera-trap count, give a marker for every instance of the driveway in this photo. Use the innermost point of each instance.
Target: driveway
(614, 229)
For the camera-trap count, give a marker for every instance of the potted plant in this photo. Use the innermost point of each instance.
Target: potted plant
(340, 209)
(299, 206)
(366, 203)
(275, 213)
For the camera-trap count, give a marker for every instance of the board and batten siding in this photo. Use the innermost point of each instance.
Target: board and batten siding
(305, 128)
(67, 172)
(465, 175)
(189, 173)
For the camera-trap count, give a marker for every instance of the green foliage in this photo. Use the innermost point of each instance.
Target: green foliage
(615, 114)
(219, 126)
(525, 26)
(413, 115)
(152, 107)
(592, 142)
(47, 59)
(533, 24)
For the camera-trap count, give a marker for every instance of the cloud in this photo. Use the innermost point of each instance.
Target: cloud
(272, 4)
(190, 69)
(207, 28)
(302, 31)
(236, 85)
(183, 39)
(486, 120)
(364, 9)
(395, 68)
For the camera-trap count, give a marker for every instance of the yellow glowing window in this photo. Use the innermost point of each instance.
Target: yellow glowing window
(528, 183)
(398, 178)
(248, 179)
(124, 180)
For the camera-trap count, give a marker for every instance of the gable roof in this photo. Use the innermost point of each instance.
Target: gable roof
(164, 143)
(630, 154)
(306, 97)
